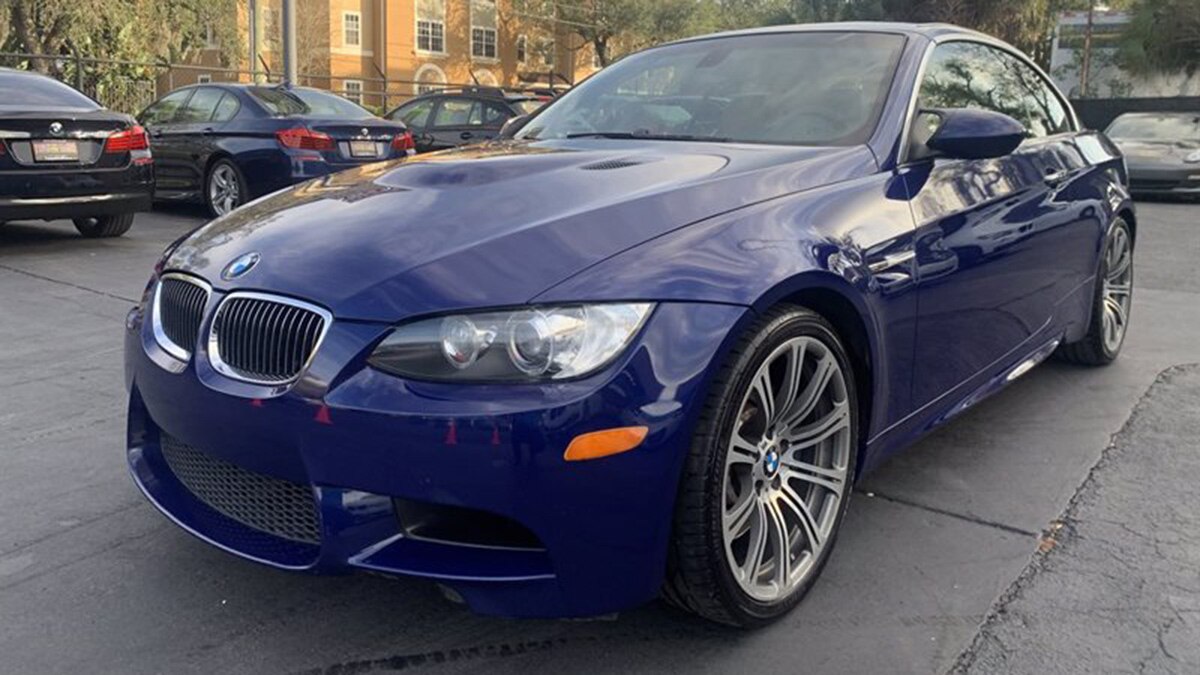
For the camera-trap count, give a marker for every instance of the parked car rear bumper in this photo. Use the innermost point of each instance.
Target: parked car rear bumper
(53, 208)
(75, 194)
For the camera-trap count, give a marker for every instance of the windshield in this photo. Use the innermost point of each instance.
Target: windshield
(34, 92)
(806, 88)
(283, 102)
(1175, 128)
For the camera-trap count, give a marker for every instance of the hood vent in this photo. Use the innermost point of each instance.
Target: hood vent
(611, 164)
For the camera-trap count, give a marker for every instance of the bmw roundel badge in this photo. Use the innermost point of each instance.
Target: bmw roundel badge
(240, 265)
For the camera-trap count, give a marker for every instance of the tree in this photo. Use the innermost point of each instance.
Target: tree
(1163, 35)
(605, 23)
(118, 29)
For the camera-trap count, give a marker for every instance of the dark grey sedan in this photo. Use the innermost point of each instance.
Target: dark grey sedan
(1162, 151)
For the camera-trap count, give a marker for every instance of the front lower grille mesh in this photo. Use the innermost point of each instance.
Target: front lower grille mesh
(180, 311)
(265, 340)
(272, 505)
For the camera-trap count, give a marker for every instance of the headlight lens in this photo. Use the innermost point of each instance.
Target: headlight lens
(532, 343)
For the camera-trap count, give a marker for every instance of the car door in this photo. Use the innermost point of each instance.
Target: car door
(170, 171)
(452, 125)
(194, 133)
(487, 119)
(996, 245)
(415, 115)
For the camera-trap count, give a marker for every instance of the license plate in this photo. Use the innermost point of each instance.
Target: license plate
(363, 149)
(55, 151)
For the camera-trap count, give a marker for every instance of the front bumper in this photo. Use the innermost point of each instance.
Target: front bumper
(1164, 179)
(360, 438)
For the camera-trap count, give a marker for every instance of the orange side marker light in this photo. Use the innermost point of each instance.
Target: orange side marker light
(597, 444)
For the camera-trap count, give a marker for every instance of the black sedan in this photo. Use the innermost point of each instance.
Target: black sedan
(448, 119)
(225, 144)
(1162, 151)
(62, 155)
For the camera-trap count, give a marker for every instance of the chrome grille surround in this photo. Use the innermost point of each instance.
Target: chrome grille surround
(265, 339)
(178, 312)
(279, 507)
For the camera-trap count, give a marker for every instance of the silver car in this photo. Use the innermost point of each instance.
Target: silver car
(1162, 151)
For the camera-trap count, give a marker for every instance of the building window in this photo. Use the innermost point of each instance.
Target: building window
(351, 29)
(547, 50)
(483, 43)
(353, 90)
(204, 78)
(429, 78)
(483, 29)
(431, 26)
(522, 48)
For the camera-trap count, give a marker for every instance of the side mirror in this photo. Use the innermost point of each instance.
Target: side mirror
(512, 126)
(967, 133)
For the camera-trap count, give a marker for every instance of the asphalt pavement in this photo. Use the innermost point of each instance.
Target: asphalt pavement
(942, 548)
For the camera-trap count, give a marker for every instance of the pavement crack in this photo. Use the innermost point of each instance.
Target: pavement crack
(60, 282)
(953, 514)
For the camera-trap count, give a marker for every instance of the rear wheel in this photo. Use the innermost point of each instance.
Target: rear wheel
(225, 189)
(104, 226)
(768, 476)
(1110, 304)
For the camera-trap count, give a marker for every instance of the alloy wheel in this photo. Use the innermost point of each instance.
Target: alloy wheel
(786, 470)
(1117, 292)
(224, 189)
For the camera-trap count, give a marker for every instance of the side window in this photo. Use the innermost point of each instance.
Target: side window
(227, 108)
(454, 112)
(163, 112)
(416, 114)
(974, 75)
(201, 106)
(1042, 106)
(494, 115)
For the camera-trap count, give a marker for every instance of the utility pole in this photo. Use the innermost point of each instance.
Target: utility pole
(1087, 50)
(253, 21)
(289, 42)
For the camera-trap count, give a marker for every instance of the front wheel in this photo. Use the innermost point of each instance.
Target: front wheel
(769, 473)
(104, 226)
(1111, 302)
(226, 189)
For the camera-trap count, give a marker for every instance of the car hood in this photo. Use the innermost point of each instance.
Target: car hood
(490, 225)
(1156, 151)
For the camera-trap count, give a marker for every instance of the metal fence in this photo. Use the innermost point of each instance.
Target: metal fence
(130, 86)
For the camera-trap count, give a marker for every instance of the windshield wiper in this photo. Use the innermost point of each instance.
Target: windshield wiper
(628, 135)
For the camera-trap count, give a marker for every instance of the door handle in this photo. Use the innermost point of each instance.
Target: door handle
(207, 130)
(466, 135)
(891, 260)
(1056, 178)
(157, 133)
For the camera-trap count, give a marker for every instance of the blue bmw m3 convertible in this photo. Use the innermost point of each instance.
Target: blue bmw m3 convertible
(646, 343)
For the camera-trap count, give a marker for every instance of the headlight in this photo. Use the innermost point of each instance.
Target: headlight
(532, 343)
(1193, 158)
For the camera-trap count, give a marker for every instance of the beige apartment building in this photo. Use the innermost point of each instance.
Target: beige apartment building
(355, 46)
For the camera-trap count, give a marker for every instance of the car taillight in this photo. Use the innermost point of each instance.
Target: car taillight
(133, 138)
(404, 142)
(301, 138)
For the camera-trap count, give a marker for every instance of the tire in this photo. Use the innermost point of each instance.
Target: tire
(224, 188)
(718, 481)
(1114, 289)
(104, 226)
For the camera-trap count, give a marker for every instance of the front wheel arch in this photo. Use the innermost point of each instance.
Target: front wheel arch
(839, 303)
